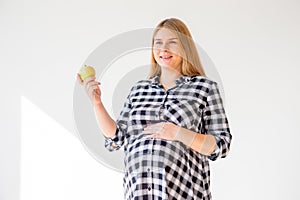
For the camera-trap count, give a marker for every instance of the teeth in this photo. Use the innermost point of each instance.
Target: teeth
(166, 57)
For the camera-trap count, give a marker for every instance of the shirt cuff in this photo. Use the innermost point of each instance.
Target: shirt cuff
(215, 154)
(112, 144)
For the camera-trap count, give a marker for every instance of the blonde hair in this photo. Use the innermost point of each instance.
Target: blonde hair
(191, 64)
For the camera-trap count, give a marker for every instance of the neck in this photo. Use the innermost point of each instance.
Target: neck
(168, 76)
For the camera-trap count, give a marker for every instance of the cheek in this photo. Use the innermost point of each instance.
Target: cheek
(178, 58)
(156, 54)
(176, 51)
(156, 51)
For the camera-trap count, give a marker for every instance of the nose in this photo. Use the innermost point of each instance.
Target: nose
(165, 47)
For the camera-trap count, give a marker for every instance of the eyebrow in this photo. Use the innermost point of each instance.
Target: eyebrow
(168, 39)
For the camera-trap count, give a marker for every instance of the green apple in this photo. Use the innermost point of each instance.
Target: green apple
(86, 72)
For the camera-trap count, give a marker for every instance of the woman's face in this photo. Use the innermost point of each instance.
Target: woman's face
(166, 49)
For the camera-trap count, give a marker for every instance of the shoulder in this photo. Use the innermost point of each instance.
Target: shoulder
(203, 81)
(140, 85)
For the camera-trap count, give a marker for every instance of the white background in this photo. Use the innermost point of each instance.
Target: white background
(255, 46)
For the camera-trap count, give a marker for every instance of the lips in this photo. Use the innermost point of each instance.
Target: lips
(165, 57)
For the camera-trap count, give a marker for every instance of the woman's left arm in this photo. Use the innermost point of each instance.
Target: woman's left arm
(202, 143)
(216, 123)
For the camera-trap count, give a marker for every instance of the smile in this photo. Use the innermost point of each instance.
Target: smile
(165, 57)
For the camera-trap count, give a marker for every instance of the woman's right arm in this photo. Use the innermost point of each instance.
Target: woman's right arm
(105, 122)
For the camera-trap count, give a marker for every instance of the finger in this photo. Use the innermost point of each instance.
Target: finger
(150, 136)
(87, 80)
(156, 125)
(147, 131)
(150, 128)
(92, 83)
(156, 130)
(149, 123)
(95, 94)
(80, 81)
(161, 124)
(93, 88)
(155, 135)
(98, 92)
(160, 127)
(90, 91)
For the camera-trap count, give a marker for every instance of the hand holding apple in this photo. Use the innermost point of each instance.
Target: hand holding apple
(86, 77)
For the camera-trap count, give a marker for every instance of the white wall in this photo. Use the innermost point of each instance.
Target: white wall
(254, 45)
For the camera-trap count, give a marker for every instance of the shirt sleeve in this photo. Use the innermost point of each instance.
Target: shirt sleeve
(216, 123)
(117, 141)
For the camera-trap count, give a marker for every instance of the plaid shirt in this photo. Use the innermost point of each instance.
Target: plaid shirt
(163, 169)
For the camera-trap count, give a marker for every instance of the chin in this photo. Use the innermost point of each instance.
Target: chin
(168, 67)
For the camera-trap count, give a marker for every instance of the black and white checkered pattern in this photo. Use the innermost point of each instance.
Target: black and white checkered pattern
(163, 169)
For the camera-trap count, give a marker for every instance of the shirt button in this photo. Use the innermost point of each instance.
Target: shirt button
(149, 188)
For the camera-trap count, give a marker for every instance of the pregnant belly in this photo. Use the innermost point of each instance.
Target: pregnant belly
(152, 154)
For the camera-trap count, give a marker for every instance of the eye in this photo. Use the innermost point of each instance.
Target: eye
(172, 42)
(157, 42)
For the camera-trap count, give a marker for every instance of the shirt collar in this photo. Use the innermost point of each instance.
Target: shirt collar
(182, 79)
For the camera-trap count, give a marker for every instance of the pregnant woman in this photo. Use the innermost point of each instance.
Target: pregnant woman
(172, 123)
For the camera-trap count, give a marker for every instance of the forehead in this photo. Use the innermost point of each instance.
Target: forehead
(165, 33)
